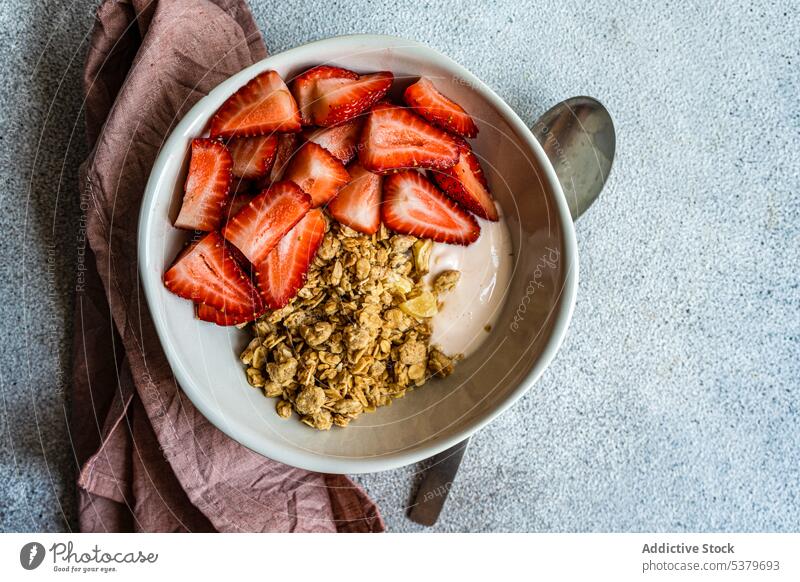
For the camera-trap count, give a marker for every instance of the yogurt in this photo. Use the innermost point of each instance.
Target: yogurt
(471, 309)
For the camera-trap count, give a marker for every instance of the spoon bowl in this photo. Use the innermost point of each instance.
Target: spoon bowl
(578, 137)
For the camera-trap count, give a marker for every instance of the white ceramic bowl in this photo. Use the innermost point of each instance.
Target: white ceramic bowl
(524, 340)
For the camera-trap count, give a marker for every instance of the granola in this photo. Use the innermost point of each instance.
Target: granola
(357, 335)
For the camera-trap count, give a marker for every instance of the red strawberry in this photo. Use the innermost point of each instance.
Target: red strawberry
(412, 205)
(338, 100)
(287, 146)
(304, 85)
(317, 172)
(207, 186)
(258, 227)
(283, 273)
(262, 106)
(394, 138)
(426, 101)
(340, 140)
(212, 315)
(358, 204)
(466, 184)
(252, 156)
(207, 273)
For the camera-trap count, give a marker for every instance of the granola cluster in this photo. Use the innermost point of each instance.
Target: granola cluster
(357, 335)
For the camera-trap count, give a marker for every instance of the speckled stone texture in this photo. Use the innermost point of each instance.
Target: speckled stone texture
(673, 404)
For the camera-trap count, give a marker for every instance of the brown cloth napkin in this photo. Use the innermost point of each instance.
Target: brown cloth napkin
(149, 460)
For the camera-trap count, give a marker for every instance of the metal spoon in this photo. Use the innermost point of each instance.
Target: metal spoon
(579, 139)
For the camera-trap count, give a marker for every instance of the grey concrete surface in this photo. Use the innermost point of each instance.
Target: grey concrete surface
(673, 404)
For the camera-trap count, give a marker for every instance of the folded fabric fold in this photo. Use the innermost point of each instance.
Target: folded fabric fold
(149, 460)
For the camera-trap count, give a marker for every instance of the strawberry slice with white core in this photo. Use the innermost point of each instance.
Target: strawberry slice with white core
(412, 205)
(358, 204)
(258, 227)
(252, 156)
(304, 86)
(317, 172)
(394, 138)
(261, 107)
(466, 184)
(287, 146)
(425, 100)
(283, 273)
(207, 273)
(340, 140)
(338, 100)
(212, 315)
(207, 186)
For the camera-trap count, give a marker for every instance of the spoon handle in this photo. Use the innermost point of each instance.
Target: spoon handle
(435, 485)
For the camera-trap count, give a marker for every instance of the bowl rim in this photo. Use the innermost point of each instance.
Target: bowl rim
(313, 461)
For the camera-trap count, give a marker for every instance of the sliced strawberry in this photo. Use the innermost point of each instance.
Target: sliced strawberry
(207, 186)
(262, 106)
(394, 138)
(304, 86)
(340, 140)
(466, 184)
(207, 273)
(412, 205)
(358, 204)
(212, 315)
(317, 172)
(252, 156)
(283, 273)
(287, 146)
(426, 101)
(338, 100)
(258, 227)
